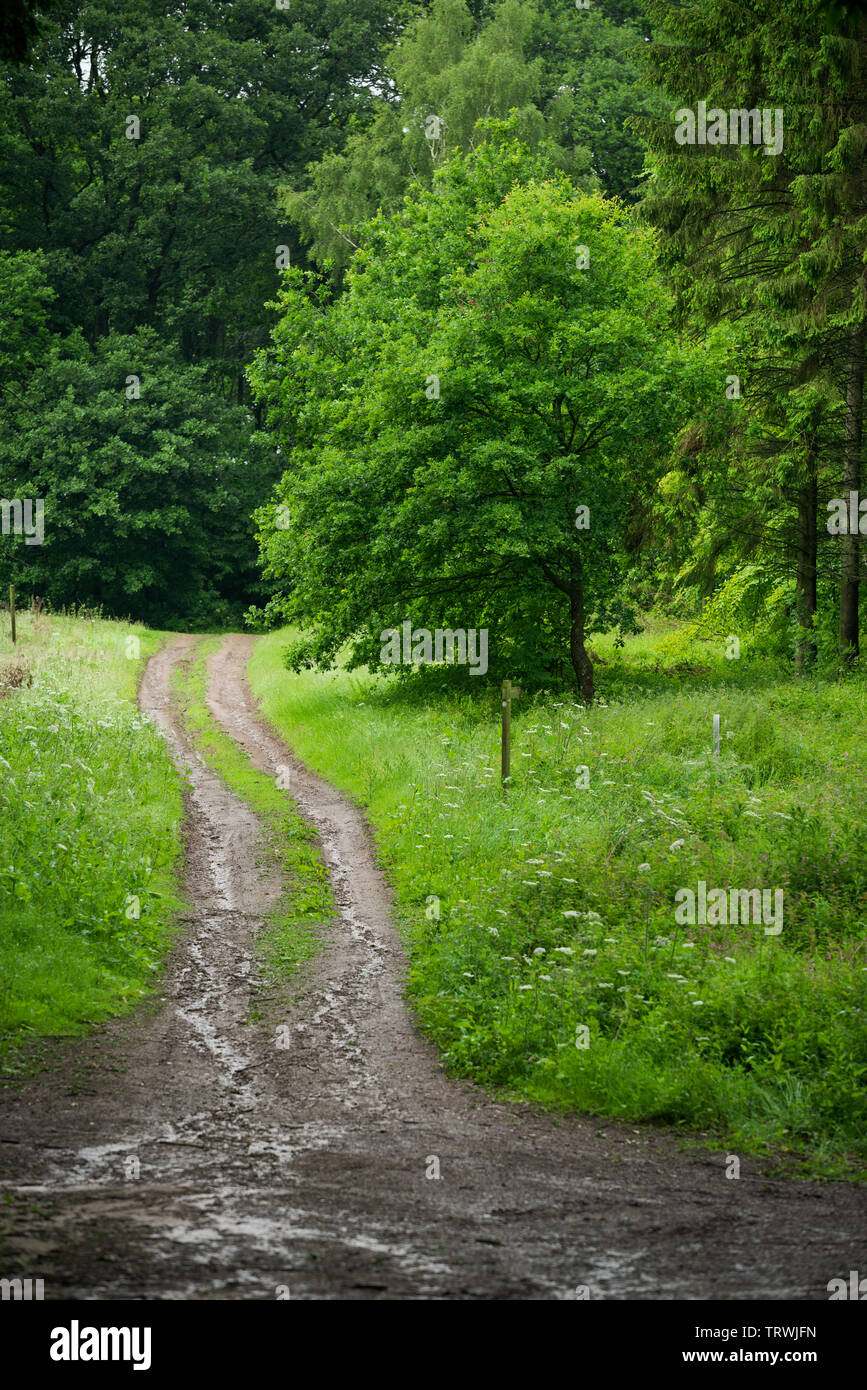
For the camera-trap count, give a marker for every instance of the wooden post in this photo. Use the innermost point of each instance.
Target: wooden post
(510, 692)
(506, 742)
(12, 610)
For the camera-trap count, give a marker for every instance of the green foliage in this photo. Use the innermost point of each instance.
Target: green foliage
(532, 914)
(570, 78)
(775, 243)
(90, 813)
(560, 386)
(141, 147)
(146, 499)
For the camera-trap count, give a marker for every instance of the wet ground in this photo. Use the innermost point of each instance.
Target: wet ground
(186, 1153)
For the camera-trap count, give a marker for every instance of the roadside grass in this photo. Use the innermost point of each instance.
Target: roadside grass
(90, 830)
(293, 934)
(534, 915)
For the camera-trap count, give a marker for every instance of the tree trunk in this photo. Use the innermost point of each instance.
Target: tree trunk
(852, 483)
(581, 663)
(805, 583)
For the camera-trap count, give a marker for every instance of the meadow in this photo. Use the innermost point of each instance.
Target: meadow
(90, 830)
(545, 958)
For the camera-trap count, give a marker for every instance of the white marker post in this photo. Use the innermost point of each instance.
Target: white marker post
(716, 735)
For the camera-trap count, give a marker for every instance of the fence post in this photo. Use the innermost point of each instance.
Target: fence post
(506, 743)
(12, 610)
(509, 693)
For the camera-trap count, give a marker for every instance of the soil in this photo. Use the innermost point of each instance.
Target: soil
(304, 1169)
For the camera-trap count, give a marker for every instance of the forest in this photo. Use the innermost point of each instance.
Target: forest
(234, 277)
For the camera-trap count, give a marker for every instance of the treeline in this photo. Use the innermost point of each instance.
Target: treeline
(142, 144)
(325, 191)
(159, 165)
(522, 412)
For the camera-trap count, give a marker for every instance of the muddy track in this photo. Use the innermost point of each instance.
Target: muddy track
(305, 1165)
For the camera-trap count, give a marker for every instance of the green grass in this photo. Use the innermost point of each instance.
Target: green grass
(530, 915)
(90, 816)
(293, 933)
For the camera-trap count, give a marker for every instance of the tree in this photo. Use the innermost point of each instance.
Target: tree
(20, 24)
(444, 74)
(142, 147)
(572, 75)
(466, 427)
(781, 239)
(146, 481)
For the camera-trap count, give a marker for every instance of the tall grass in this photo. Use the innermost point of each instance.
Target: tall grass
(90, 812)
(535, 914)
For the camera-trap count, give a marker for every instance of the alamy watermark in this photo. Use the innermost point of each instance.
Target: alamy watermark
(734, 127)
(410, 646)
(720, 907)
(16, 516)
(848, 519)
(22, 1290)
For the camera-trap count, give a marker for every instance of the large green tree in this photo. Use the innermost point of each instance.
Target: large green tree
(146, 479)
(468, 426)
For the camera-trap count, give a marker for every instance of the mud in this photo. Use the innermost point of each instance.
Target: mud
(302, 1168)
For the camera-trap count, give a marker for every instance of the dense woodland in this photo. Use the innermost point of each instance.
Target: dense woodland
(348, 315)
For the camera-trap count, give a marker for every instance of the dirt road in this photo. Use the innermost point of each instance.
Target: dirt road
(303, 1168)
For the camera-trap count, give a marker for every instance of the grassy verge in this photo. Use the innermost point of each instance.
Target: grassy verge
(306, 902)
(90, 814)
(537, 915)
